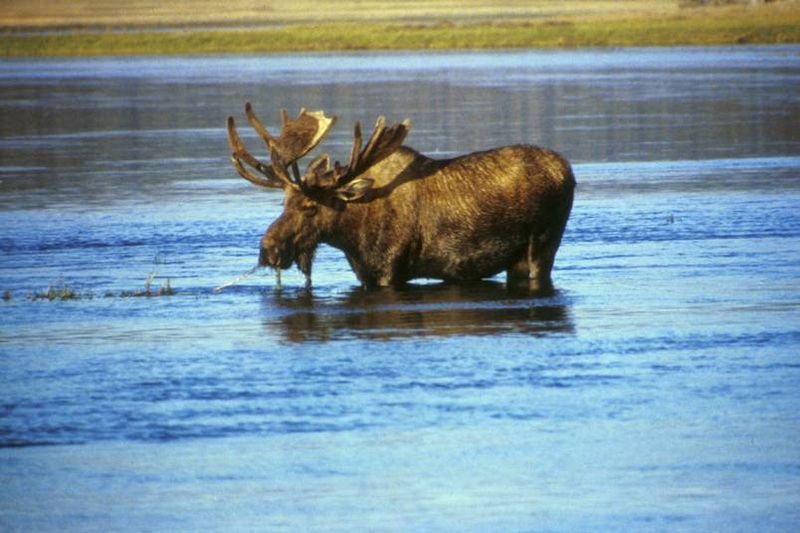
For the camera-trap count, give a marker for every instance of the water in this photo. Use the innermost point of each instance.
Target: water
(656, 389)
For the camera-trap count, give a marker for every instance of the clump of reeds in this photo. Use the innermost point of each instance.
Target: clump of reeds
(59, 291)
(149, 289)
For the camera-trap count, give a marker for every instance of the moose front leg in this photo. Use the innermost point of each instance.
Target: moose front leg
(304, 262)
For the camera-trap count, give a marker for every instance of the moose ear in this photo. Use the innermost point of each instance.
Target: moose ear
(355, 189)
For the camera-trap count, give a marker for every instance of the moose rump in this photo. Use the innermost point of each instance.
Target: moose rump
(463, 219)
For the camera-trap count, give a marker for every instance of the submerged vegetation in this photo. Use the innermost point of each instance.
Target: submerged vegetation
(149, 290)
(582, 24)
(58, 291)
(62, 291)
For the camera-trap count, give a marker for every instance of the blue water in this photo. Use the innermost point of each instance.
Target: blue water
(657, 389)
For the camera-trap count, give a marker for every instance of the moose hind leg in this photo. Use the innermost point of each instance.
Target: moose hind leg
(535, 265)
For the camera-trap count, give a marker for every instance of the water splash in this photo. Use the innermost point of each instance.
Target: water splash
(240, 278)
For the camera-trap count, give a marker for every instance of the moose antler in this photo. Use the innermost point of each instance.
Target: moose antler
(298, 137)
(383, 142)
(240, 156)
(301, 135)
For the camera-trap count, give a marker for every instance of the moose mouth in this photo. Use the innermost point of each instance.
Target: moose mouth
(275, 258)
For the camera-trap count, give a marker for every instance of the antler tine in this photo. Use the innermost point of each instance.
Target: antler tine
(319, 169)
(236, 144)
(252, 178)
(256, 124)
(382, 143)
(279, 167)
(269, 139)
(377, 133)
(240, 154)
(355, 157)
(355, 153)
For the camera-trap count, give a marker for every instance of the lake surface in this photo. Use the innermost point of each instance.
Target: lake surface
(657, 389)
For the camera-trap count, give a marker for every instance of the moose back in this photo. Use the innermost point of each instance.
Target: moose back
(399, 215)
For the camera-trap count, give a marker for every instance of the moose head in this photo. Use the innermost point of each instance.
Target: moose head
(315, 198)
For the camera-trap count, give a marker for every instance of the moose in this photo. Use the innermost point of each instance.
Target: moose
(398, 215)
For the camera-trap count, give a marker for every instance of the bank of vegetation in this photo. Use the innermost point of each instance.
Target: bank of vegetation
(424, 24)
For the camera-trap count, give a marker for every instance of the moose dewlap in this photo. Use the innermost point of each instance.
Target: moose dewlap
(399, 215)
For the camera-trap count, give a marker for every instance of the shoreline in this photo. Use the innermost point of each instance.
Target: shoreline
(690, 27)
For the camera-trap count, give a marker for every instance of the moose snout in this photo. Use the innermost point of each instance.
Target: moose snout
(268, 257)
(274, 254)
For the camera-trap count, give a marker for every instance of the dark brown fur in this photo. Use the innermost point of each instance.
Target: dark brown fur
(458, 220)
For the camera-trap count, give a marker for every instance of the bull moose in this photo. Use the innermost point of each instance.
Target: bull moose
(398, 215)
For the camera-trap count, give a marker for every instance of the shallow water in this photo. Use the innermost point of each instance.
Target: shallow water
(656, 389)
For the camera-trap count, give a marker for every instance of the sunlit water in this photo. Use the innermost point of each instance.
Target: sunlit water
(658, 388)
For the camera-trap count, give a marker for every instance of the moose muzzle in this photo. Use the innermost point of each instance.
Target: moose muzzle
(268, 257)
(274, 253)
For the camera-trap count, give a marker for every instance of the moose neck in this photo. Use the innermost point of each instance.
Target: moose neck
(361, 228)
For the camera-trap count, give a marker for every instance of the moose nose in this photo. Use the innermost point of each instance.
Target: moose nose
(268, 252)
(268, 256)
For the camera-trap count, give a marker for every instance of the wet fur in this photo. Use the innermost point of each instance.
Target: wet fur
(458, 220)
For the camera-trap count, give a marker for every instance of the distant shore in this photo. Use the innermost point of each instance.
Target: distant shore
(769, 24)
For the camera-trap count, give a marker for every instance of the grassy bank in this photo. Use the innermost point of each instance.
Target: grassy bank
(144, 14)
(772, 23)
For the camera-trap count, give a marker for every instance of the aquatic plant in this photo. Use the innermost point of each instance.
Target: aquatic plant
(61, 291)
(58, 291)
(149, 291)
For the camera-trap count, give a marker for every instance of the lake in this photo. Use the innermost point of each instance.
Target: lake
(658, 387)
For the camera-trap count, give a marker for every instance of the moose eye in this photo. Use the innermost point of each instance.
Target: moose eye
(310, 210)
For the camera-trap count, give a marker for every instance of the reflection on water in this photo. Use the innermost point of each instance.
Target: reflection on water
(417, 311)
(97, 126)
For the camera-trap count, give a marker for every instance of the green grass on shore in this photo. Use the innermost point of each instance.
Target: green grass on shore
(694, 27)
